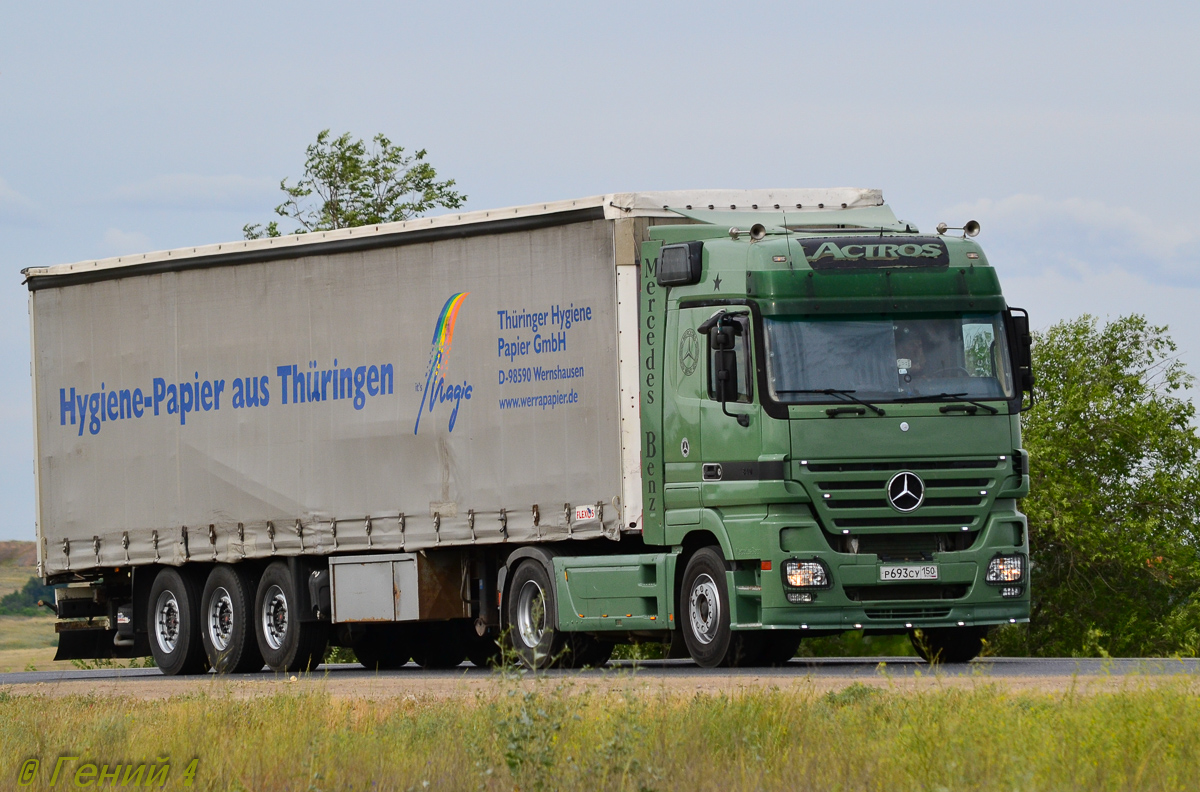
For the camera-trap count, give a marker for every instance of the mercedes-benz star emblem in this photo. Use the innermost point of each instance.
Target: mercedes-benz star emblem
(906, 491)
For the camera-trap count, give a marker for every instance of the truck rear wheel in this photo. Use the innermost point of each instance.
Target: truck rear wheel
(529, 610)
(226, 623)
(705, 611)
(286, 642)
(948, 644)
(174, 623)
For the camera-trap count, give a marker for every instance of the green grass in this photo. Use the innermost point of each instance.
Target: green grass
(23, 632)
(555, 735)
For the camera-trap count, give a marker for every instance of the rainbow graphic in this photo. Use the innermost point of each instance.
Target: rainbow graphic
(443, 336)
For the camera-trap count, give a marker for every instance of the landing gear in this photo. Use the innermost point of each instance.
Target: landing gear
(286, 642)
(482, 650)
(948, 644)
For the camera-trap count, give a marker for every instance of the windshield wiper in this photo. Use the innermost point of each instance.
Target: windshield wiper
(958, 397)
(849, 394)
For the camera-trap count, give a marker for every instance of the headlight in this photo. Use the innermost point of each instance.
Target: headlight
(1006, 569)
(805, 574)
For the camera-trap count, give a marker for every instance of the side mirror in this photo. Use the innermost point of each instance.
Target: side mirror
(723, 341)
(1022, 349)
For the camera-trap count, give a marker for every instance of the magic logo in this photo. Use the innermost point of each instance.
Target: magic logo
(436, 390)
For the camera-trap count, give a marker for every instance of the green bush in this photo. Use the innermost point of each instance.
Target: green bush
(25, 601)
(1114, 497)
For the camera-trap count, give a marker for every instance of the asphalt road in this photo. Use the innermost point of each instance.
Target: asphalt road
(828, 668)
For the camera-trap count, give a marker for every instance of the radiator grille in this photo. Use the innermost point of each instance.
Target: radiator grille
(852, 495)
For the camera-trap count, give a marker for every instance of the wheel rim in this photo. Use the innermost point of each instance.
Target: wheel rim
(531, 613)
(275, 617)
(704, 608)
(220, 619)
(166, 622)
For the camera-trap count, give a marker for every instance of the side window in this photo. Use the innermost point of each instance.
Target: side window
(740, 326)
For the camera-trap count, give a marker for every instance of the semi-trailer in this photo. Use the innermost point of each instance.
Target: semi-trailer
(719, 419)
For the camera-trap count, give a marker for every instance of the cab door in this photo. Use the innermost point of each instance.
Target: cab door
(684, 372)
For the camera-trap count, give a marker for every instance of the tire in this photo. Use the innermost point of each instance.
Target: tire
(287, 644)
(529, 610)
(778, 647)
(173, 623)
(440, 645)
(704, 608)
(587, 651)
(948, 644)
(227, 623)
(383, 648)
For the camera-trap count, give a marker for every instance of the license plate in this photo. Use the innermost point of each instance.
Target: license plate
(909, 572)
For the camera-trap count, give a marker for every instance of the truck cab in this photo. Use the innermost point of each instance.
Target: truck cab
(840, 413)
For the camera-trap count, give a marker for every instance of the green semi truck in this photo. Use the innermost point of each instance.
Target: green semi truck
(725, 420)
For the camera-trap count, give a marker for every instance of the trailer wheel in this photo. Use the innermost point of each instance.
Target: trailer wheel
(286, 643)
(440, 645)
(705, 611)
(383, 648)
(226, 621)
(174, 623)
(948, 644)
(529, 610)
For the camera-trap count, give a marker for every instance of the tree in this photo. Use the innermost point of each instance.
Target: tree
(1115, 495)
(345, 185)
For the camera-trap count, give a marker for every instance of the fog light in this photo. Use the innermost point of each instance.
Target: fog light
(801, 596)
(1011, 591)
(1006, 569)
(805, 574)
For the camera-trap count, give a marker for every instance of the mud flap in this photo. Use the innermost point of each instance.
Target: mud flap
(96, 645)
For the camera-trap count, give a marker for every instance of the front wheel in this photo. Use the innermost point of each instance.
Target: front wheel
(706, 618)
(779, 647)
(948, 644)
(286, 642)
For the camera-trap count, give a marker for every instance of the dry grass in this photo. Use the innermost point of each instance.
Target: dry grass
(18, 563)
(552, 734)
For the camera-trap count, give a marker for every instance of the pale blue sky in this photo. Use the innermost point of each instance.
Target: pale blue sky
(1068, 129)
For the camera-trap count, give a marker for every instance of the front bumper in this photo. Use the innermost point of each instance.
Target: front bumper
(857, 599)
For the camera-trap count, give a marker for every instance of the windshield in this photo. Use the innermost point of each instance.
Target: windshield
(888, 359)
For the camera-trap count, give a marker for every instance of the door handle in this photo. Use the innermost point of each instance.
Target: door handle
(712, 471)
